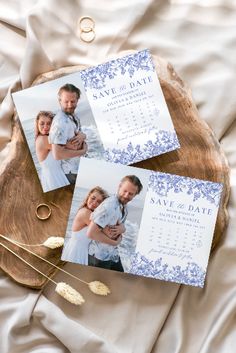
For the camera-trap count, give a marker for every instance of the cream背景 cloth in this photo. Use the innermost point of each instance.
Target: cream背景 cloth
(141, 315)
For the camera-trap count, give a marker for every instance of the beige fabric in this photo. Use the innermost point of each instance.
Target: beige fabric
(141, 315)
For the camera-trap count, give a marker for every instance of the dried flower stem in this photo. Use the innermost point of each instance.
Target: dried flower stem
(95, 286)
(40, 257)
(37, 245)
(31, 245)
(26, 262)
(63, 289)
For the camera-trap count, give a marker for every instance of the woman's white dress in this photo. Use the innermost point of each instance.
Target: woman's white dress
(52, 176)
(76, 247)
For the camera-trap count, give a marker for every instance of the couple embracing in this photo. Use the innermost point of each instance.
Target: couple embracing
(99, 224)
(59, 140)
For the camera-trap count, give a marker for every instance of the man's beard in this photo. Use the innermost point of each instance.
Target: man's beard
(122, 200)
(69, 111)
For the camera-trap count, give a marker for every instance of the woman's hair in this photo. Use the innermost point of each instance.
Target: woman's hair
(45, 113)
(98, 189)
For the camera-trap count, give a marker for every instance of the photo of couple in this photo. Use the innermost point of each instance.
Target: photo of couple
(103, 226)
(59, 127)
(59, 140)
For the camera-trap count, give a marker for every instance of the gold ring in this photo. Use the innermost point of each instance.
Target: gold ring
(86, 19)
(86, 27)
(88, 36)
(43, 218)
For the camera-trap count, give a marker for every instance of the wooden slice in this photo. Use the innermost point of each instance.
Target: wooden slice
(200, 156)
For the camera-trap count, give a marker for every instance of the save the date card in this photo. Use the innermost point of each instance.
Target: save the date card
(115, 111)
(129, 108)
(142, 222)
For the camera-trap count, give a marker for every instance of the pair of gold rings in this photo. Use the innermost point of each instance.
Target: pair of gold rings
(43, 211)
(87, 29)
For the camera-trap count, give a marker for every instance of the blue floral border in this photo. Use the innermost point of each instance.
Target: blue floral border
(95, 77)
(162, 183)
(192, 274)
(165, 141)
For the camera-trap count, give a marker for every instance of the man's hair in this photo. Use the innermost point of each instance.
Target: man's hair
(68, 87)
(134, 180)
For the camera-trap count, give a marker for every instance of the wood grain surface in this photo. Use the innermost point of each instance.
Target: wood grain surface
(200, 156)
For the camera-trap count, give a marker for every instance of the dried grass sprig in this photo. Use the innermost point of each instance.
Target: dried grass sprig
(99, 288)
(52, 242)
(69, 293)
(63, 289)
(96, 287)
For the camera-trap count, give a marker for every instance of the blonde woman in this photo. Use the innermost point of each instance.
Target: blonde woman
(52, 175)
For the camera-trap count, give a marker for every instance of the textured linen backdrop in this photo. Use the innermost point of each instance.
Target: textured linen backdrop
(142, 315)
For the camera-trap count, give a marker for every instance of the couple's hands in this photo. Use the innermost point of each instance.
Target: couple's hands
(114, 232)
(116, 241)
(77, 142)
(84, 148)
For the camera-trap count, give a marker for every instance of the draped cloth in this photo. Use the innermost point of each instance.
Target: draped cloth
(141, 315)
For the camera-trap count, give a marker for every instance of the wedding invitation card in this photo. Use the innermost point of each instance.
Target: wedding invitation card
(115, 111)
(130, 109)
(142, 222)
